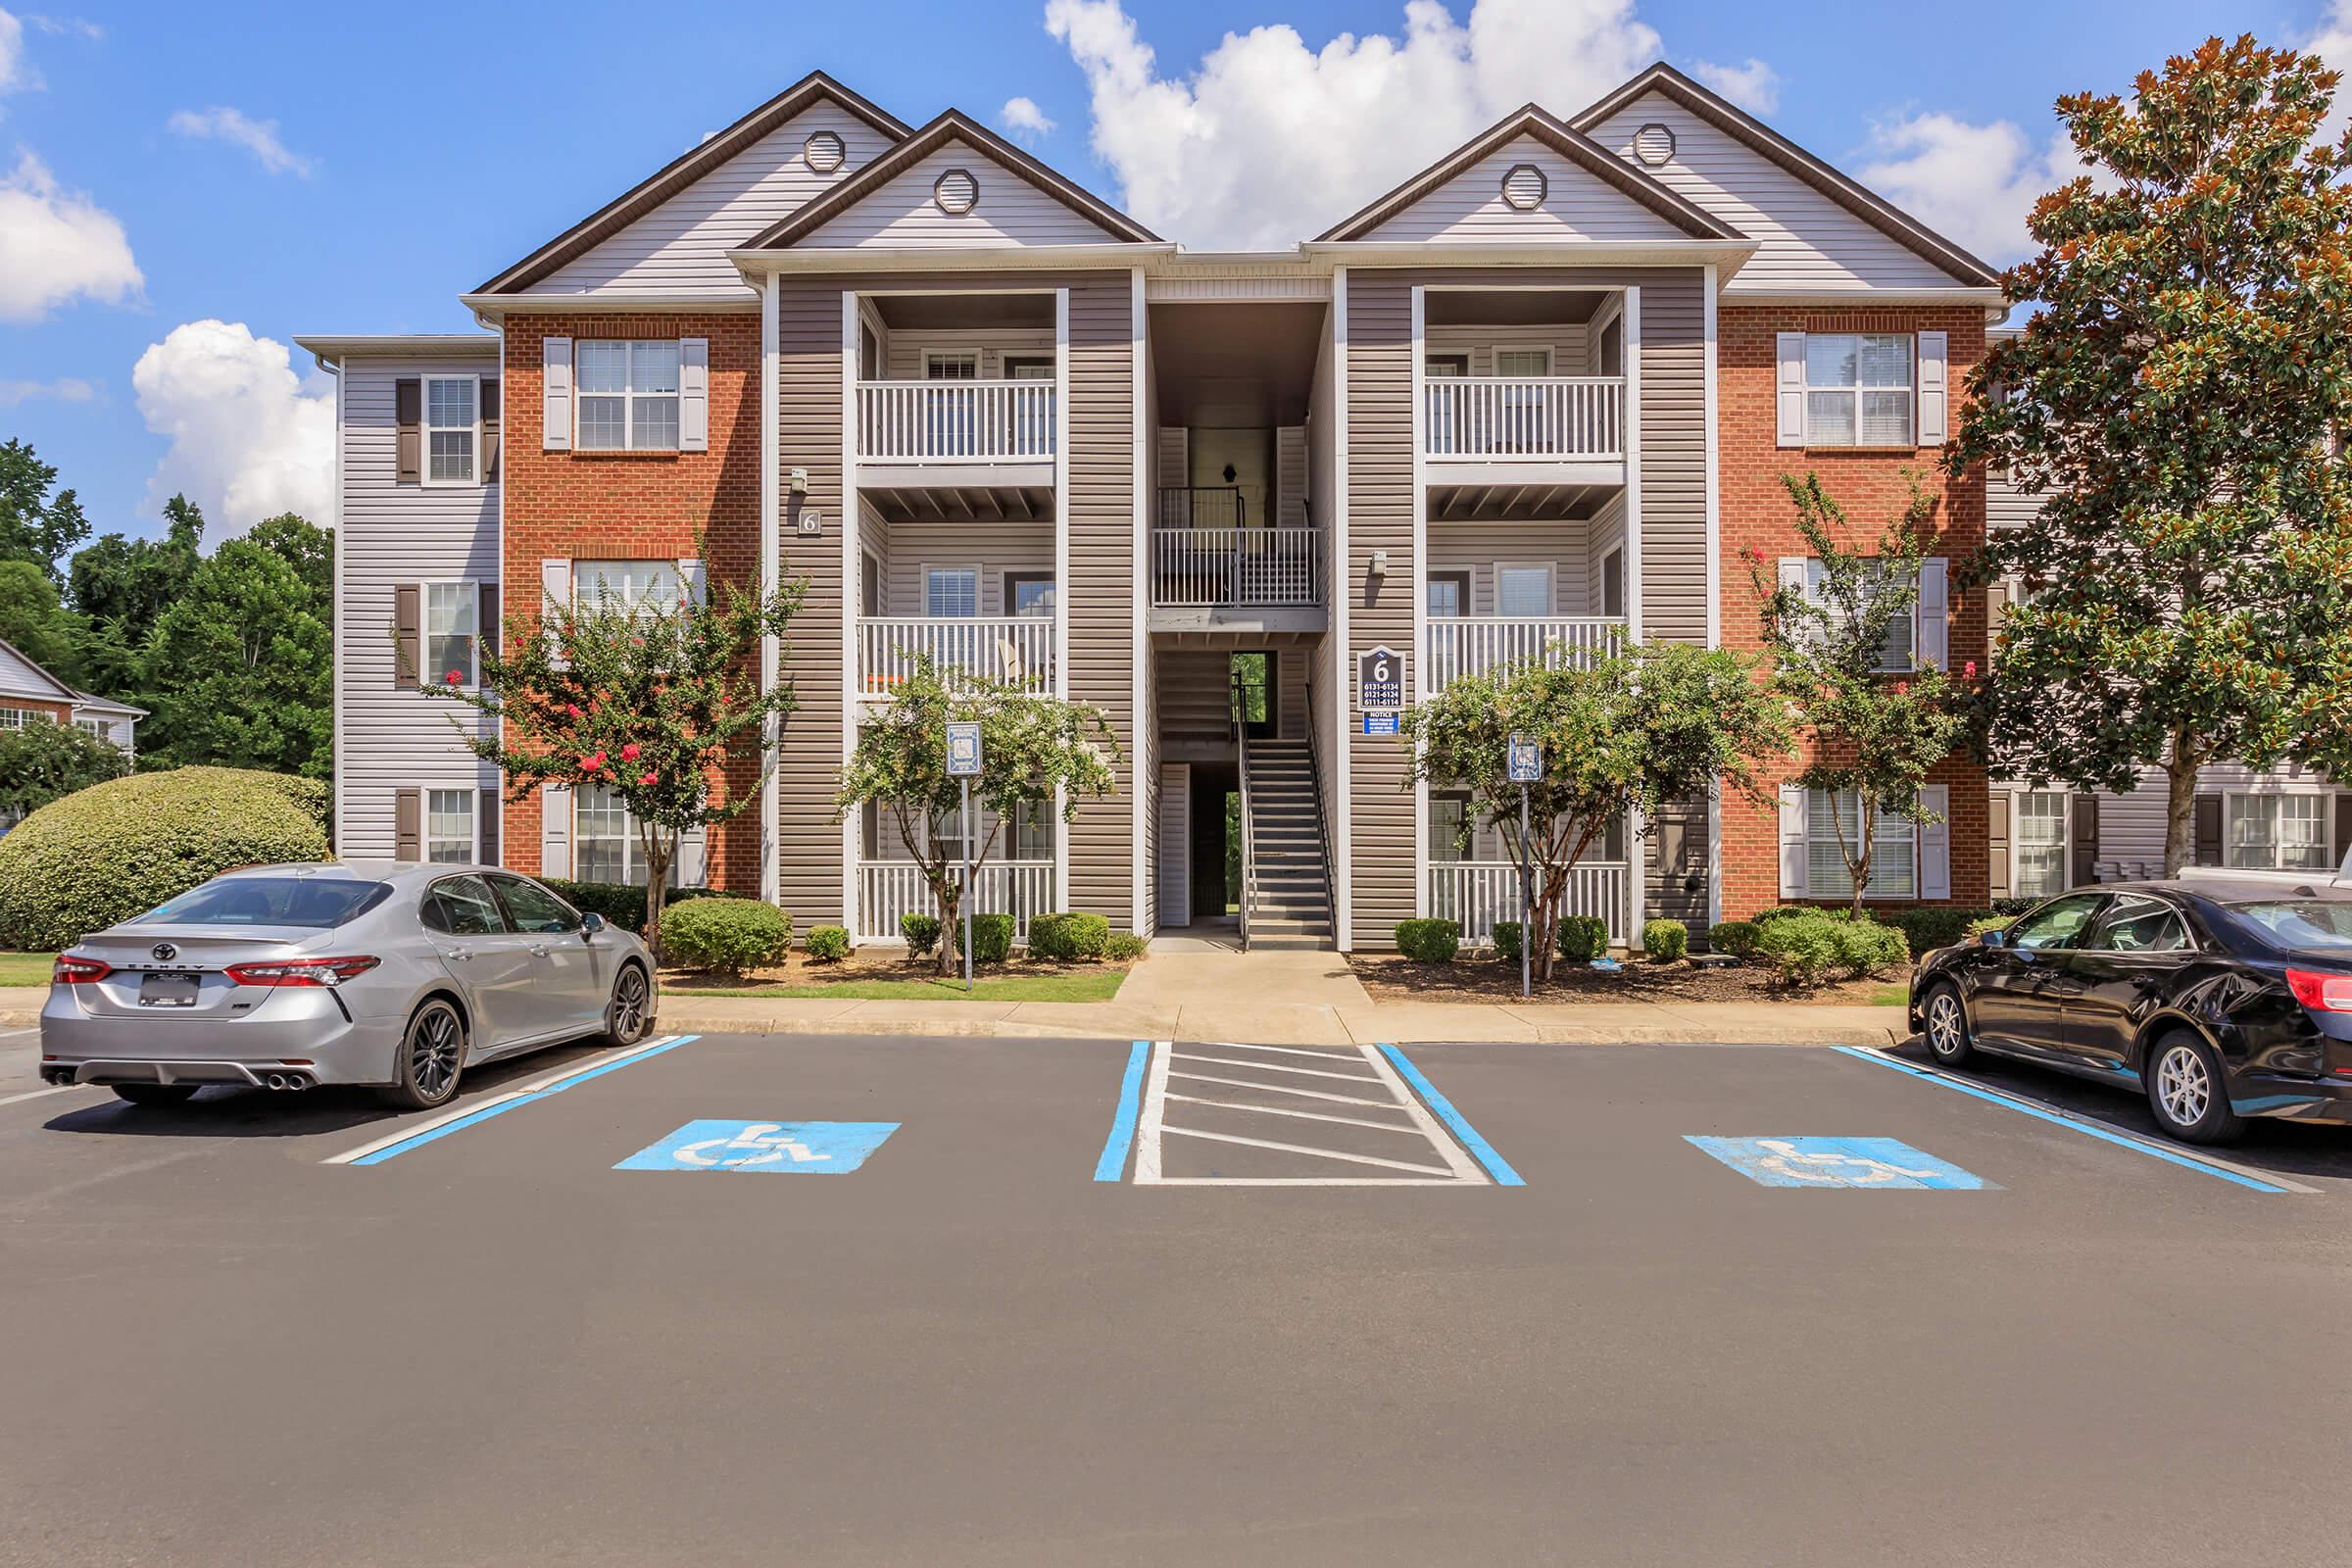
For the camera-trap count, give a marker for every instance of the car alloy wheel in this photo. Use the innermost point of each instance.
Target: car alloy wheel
(626, 1021)
(1948, 1025)
(2184, 1088)
(436, 1049)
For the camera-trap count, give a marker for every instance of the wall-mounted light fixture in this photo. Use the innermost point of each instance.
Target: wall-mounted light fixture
(800, 481)
(1380, 563)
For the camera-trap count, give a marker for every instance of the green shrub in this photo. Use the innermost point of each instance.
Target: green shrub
(1067, 936)
(921, 932)
(1665, 939)
(828, 944)
(1125, 947)
(1734, 937)
(1926, 930)
(2013, 908)
(992, 938)
(1991, 922)
(119, 849)
(1807, 948)
(731, 936)
(1866, 947)
(1429, 941)
(1507, 939)
(619, 903)
(1582, 938)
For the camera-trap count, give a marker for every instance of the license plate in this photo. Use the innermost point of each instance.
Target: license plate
(168, 990)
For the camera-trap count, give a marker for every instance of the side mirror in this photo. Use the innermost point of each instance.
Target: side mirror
(1994, 938)
(591, 923)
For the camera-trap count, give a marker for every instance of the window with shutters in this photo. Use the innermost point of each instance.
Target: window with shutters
(606, 844)
(449, 827)
(1858, 389)
(640, 587)
(1893, 854)
(2043, 844)
(2285, 832)
(1896, 653)
(627, 393)
(453, 429)
(451, 629)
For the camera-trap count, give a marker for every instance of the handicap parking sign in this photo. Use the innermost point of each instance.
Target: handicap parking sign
(809, 1148)
(1881, 1163)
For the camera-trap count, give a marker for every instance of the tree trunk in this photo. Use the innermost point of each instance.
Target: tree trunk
(660, 849)
(950, 927)
(2179, 810)
(1860, 867)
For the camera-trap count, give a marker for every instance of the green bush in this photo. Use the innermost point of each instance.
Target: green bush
(921, 932)
(119, 849)
(1991, 922)
(1507, 939)
(1665, 939)
(1734, 937)
(992, 938)
(731, 936)
(619, 903)
(1926, 930)
(1582, 938)
(1067, 936)
(1125, 947)
(828, 944)
(1807, 948)
(2013, 908)
(1429, 941)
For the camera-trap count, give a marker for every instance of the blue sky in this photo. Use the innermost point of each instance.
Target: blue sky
(424, 146)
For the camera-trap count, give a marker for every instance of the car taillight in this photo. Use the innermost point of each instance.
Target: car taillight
(301, 971)
(2321, 992)
(73, 971)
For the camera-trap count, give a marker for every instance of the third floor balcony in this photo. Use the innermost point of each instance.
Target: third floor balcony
(1525, 428)
(1001, 434)
(1213, 565)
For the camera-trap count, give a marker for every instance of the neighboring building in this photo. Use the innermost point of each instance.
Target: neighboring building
(29, 695)
(1541, 390)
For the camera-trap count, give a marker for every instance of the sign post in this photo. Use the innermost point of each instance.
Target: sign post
(963, 765)
(1526, 767)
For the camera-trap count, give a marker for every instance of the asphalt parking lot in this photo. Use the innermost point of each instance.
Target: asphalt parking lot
(1095, 1302)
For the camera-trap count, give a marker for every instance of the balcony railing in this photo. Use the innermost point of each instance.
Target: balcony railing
(1019, 649)
(888, 889)
(1197, 507)
(1478, 893)
(1476, 644)
(1552, 418)
(1233, 568)
(956, 421)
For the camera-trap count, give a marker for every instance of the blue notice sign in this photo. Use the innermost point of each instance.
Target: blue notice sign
(963, 751)
(1380, 724)
(1884, 1162)
(1526, 759)
(807, 1148)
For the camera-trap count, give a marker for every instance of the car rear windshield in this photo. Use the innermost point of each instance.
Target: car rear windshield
(301, 901)
(2301, 923)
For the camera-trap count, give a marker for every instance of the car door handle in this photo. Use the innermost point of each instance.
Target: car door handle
(457, 952)
(538, 950)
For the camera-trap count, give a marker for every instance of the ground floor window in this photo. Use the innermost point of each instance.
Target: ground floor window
(1893, 860)
(18, 718)
(2041, 844)
(449, 827)
(608, 846)
(2276, 832)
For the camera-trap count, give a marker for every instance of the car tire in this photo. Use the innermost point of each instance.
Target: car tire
(432, 1061)
(156, 1093)
(628, 1017)
(1943, 1018)
(2187, 1090)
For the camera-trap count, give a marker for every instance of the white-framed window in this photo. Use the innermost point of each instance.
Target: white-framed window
(1523, 588)
(628, 394)
(453, 429)
(954, 365)
(637, 586)
(2285, 832)
(950, 592)
(2042, 848)
(1894, 851)
(18, 718)
(1522, 363)
(1858, 389)
(604, 839)
(1448, 810)
(1898, 653)
(452, 632)
(1030, 836)
(450, 834)
(92, 726)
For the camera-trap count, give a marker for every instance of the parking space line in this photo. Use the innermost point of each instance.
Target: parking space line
(1301, 1149)
(1497, 1167)
(1114, 1163)
(1279, 1089)
(1302, 1115)
(1341, 1054)
(2057, 1117)
(1275, 1066)
(401, 1143)
(39, 1094)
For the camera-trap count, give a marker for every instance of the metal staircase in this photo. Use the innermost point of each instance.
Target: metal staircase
(1286, 874)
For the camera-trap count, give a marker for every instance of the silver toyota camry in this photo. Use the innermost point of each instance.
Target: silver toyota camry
(397, 976)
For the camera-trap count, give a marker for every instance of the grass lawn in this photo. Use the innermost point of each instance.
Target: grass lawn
(25, 969)
(1892, 996)
(1082, 985)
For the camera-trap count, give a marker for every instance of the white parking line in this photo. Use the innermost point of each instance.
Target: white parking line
(1281, 1089)
(1301, 1149)
(1276, 1066)
(39, 1093)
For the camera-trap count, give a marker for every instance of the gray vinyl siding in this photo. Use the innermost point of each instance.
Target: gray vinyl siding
(1567, 341)
(1469, 208)
(22, 677)
(2006, 506)
(995, 550)
(809, 751)
(393, 534)
(1477, 547)
(1101, 593)
(1009, 210)
(903, 352)
(1607, 533)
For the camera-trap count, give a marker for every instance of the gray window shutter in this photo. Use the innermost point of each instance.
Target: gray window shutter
(489, 807)
(1791, 387)
(1998, 597)
(1793, 841)
(694, 394)
(490, 428)
(2082, 842)
(407, 824)
(2209, 830)
(408, 635)
(554, 394)
(693, 858)
(2000, 808)
(555, 830)
(492, 635)
(1936, 843)
(1933, 644)
(1935, 388)
(691, 578)
(408, 419)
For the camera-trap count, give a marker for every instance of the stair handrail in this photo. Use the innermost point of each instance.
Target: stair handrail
(1241, 743)
(1314, 778)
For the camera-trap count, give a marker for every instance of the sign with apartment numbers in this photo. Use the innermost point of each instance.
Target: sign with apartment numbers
(1380, 678)
(963, 751)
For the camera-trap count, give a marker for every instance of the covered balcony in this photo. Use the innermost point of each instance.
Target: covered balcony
(1208, 551)
(1523, 399)
(1474, 879)
(1500, 592)
(1018, 877)
(955, 411)
(1483, 645)
(975, 601)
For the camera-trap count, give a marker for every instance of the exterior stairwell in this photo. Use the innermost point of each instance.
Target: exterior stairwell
(1287, 893)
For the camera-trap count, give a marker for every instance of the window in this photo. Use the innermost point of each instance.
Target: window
(1612, 584)
(1029, 595)
(1446, 365)
(461, 906)
(91, 726)
(1031, 837)
(451, 611)
(952, 593)
(1448, 594)
(452, 428)
(531, 907)
(605, 846)
(1522, 365)
(1448, 817)
(628, 394)
(2276, 832)
(1523, 591)
(2057, 924)
(2137, 924)
(1612, 347)
(2041, 844)
(449, 827)
(1893, 849)
(1896, 654)
(951, 366)
(18, 718)
(1858, 389)
(637, 586)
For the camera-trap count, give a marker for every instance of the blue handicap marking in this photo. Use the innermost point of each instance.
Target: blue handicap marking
(1887, 1162)
(809, 1148)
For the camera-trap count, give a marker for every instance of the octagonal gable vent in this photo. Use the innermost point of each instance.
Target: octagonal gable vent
(823, 152)
(1525, 187)
(1653, 144)
(957, 192)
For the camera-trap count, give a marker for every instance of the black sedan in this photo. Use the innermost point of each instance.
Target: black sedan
(2221, 996)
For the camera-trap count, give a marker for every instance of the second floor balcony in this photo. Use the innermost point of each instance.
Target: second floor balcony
(1456, 646)
(1218, 574)
(1017, 650)
(947, 433)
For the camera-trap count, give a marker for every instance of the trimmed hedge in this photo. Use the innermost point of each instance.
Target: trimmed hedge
(921, 932)
(1809, 948)
(116, 849)
(992, 938)
(1507, 939)
(1584, 938)
(828, 944)
(619, 903)
(731, 936)
(1066, 936)
(1429, 941)
(1926, 930)
(1125, 945)
(1734, 937)
(1665, 939)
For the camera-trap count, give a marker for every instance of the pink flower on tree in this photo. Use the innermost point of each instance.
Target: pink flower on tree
(572, 709)
(456, 677)
(629, 753)
(1968, 669)
(592, 762)
(650, 778)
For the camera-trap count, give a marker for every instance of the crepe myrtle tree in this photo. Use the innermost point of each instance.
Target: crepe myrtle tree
(1032, 748)
(653, 702)
(1632, 728)
(1867, 733)
(2178, 405)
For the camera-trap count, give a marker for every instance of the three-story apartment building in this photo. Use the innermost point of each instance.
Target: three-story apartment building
(1541, 392)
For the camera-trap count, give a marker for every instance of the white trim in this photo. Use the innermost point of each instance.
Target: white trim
(1343, 580)
(771, 521)
(424, 431)
(1061, 575)
(427, 673)
(630, 396)
(343, 601)
(1419, 379)
(2066, 838)
(850, 521)
(424, 820)
(925, 568)
(2273, 790)
(1632, 468)
(935, 356)
(1139, 675)
(1806, 389)
(1499, 349)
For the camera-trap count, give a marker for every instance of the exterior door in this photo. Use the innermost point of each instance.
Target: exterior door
(569, 991)
(486, 956)
(1253, 678)
(2022, 988)
(2125, 969)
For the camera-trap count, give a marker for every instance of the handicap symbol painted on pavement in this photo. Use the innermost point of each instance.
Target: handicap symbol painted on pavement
(809, 1148)
(1883, 1162)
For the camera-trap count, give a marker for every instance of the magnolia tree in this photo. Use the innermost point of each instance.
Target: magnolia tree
(2178, 405)
(1034, 749)
(1871, 735)
(1631, 729)
(654, 702)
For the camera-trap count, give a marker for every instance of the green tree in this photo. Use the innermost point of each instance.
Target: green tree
(650, 702)
(1633, 728)
(33, 623)
(1031, 745)
(2178, 404)
(121, 588)
(309, 549)
(43, 762)
(35, 526)
(239, 670)
(1867, 734)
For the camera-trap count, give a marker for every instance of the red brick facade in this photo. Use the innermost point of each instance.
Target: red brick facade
(58, 713)
(1869, 483)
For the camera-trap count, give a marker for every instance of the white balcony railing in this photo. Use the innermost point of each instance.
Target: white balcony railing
(1552, 418)
(1210, 568)
(956, 421)
(1008, 648)
(1478, 893)
(888, 889)
(1476, 644)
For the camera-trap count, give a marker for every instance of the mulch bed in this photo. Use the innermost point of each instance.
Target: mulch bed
(797, 970)
(1485, 978)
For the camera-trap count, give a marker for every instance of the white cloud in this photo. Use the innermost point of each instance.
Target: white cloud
(1269, 139)
(1755, 87)
(1975, 185)
(58, 245)
(2333, 44)
(1024, 119)
(257, 136)
(248, 439)
(16, 72)
(80, 27)
(65, 389)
